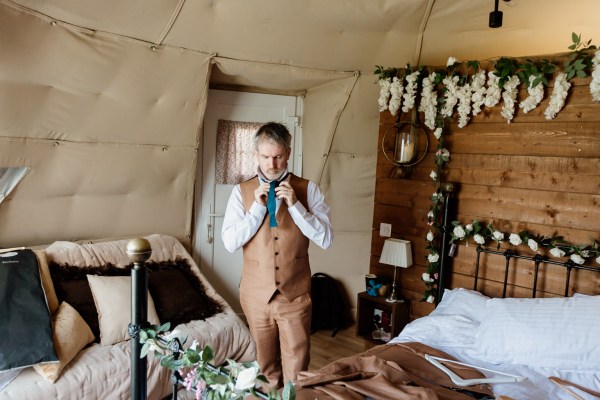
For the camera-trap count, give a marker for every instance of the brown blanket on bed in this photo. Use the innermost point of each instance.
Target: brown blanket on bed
(394, 372)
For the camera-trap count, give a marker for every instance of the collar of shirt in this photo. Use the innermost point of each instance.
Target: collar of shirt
(263, 179)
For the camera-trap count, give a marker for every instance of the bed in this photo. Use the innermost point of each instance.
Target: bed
(533, 348)
(528, 339)
(102, 370)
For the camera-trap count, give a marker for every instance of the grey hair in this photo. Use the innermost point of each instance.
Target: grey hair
(273, 132)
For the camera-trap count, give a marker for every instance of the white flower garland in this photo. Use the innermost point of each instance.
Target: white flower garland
(451, 84)
(428, 104)
(478, 92)
(464, 104)
(384, 93)
(411, 90)
(493, 92)
(536, 94)
(558, 96)
(396, 90)
(509, 96)
(595, 83)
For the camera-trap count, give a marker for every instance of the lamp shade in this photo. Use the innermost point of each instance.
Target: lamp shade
(396, 252)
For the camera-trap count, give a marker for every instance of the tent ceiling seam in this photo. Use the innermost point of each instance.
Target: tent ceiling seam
(171, 22)
(422, 28)
(337, 122)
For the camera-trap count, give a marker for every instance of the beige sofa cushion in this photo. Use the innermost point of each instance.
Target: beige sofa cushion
(112, 296)
(71, 334)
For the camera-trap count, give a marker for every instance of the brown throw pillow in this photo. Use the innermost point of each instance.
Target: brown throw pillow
(179, 296)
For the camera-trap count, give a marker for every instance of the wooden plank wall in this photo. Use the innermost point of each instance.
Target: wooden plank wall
(532, 174)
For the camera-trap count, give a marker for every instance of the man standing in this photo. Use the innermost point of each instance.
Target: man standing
(274, 216)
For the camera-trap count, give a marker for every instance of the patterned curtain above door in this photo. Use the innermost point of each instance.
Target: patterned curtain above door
(235, 151)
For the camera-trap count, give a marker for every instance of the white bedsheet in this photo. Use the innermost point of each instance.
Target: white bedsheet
(435, 331)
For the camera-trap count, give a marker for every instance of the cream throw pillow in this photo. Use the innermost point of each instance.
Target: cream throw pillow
(112, 296)
(71, 334)
(47, 283)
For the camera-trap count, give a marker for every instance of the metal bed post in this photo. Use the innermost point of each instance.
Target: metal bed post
(139, 251)
(447, 190)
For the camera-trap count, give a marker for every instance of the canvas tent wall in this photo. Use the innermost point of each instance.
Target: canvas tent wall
(104, 100)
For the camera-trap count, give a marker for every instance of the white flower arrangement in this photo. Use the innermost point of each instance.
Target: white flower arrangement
(515, 239)
(459, 232)
(430, 236)
(396, 91)
(385, 85)
(577, 259)
(426, 277)
(464, 104)
(428, 104)
(433, 175)
(556, 252)
(558, 96)
(595, 83)
(509, 96)
(478, 238)
(478, 92)
(410, 91)
(438, 133)
(536, 94)
(532, 244)
(451, 84)
(433, 257)
(493, 92)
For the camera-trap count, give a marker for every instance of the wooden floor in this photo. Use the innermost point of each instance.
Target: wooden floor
(325, 348)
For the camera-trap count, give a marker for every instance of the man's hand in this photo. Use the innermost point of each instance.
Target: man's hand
(261, 194)
(286, 192)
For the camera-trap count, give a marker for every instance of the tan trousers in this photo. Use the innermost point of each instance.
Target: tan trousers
(281, 330)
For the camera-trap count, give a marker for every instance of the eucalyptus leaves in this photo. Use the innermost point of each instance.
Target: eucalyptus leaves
(233, 382)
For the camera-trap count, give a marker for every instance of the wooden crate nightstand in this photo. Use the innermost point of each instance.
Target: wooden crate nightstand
(367, 305)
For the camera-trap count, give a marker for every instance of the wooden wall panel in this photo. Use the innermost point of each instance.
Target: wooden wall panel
(532, 174)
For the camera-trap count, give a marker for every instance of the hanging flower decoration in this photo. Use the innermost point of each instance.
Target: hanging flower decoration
(441, 91)
(557, 246)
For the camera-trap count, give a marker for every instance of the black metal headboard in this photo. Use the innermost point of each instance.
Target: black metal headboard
(538, 261)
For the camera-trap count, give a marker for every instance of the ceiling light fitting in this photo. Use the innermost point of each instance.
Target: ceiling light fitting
(496, 16)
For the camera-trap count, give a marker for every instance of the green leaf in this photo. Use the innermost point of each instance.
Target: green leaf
(581, 74)
(575, 38)
(289, 391)
(144, 350)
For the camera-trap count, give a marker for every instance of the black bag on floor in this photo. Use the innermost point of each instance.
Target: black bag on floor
(328, 308)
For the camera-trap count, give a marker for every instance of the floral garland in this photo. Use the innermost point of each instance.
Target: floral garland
(558, 247)
(444, 90)
(235, 382)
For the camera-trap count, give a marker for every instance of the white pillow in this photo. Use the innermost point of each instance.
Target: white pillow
(112, 296)
(453, 323)
(553, 332)
(464, 302)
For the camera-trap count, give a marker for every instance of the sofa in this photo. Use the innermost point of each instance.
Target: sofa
(91, 341)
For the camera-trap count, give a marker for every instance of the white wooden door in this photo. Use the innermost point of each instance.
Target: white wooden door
(224, 269)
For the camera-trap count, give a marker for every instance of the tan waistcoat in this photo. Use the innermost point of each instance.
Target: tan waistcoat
(276, 258)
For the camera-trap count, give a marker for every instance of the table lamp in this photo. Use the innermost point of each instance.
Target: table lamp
(396, 252)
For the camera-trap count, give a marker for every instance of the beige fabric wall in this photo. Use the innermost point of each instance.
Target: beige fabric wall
(84, 75)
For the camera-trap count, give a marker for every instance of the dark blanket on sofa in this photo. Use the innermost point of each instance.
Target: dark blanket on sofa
(25, 321)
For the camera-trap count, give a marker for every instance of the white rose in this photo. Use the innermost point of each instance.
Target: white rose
(598, 259)
(498, 235)
(585, 253)
(556, 252)
(430, 214)
(429, 236)
(430, 299)
(437, 133)
(479, 239)
(469, 227)
(451, 61)
(459, 232)
(246, 379)
(426, 277)
(532, 244)
(194, 345)
(433, 175)
(577, 259)
(433, 257)
(515, 239)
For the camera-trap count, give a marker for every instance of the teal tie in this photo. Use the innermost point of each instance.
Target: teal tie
(272, 204)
